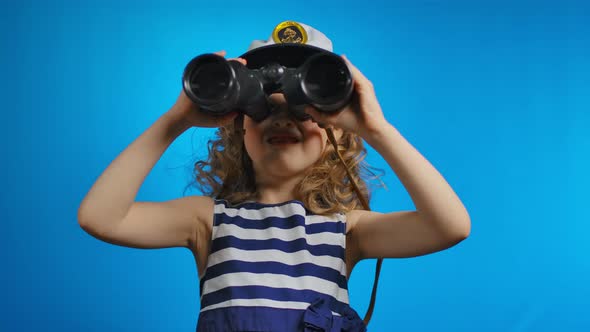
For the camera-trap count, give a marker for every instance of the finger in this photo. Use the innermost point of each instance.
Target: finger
(240, 60)
(222, 53)
(316, 116)
(352, 67)
(356, 73)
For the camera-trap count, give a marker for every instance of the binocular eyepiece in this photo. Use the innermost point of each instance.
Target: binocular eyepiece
(219, 86)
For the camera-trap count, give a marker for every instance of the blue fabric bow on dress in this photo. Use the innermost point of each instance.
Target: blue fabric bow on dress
(318, 317)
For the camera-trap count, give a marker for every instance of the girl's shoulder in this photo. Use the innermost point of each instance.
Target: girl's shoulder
(351, 218)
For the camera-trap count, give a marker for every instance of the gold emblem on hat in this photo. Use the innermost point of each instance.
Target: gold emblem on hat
(289, 32)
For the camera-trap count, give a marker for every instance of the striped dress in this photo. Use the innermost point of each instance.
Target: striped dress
(276, 267)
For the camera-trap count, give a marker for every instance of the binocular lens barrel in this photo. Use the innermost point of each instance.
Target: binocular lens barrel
(219, 86)
(327, 82)
(209, 81)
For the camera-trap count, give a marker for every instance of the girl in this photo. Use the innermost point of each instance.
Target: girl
(279, 231)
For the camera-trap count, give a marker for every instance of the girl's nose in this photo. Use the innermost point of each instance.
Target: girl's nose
(282, 117)
(283, 121)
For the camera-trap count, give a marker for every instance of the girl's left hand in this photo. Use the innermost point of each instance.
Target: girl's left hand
(363, 115)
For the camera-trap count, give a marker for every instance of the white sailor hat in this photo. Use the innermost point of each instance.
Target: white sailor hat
(290, 44)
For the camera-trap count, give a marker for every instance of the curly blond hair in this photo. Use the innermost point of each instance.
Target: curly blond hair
(228, 173)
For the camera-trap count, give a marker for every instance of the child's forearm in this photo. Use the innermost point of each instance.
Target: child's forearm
(430, 192)
(110, 198)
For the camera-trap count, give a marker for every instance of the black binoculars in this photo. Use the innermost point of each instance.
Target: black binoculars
(219, 86)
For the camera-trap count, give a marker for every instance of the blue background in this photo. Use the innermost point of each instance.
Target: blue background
(495, 94)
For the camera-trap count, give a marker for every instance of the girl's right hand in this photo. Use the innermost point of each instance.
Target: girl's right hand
(188, 112)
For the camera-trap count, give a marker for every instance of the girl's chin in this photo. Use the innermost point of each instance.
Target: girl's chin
(282, 168)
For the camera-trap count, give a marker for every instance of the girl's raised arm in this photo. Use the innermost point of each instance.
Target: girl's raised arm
(109, 211)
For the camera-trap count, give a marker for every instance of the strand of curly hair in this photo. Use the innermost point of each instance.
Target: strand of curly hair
(228, 174)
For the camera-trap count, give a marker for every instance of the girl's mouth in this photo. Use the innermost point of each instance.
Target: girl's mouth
(281, 140)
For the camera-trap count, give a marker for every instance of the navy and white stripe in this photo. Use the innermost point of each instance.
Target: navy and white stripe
(274, 256)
